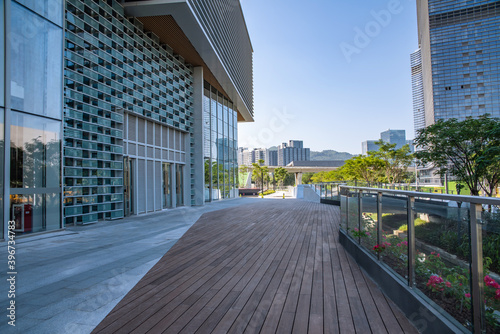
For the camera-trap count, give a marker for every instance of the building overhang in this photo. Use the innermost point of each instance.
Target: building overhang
(153, 13)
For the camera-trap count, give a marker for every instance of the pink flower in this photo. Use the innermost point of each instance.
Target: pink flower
(490, 282)
(432, 253)
(399, 245)
(467, 295)
(438, 255)
(384, 237)
(405, 243)
(368, 234)
(434, 280)
(448, 284)
(356, 229)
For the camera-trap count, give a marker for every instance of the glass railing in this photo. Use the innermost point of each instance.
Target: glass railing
(328, 190)
(445, 247)
(378, 185)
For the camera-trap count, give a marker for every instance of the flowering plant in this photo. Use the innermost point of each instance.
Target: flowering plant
(360, 233)
(379, 248)
(435, 283)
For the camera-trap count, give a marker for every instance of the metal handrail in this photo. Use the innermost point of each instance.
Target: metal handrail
(445, 197)
(475, 210)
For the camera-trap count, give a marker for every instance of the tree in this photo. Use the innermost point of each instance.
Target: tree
(395, 161)
(258, 173)
(366, 168)
(468, 149)
(280, 174)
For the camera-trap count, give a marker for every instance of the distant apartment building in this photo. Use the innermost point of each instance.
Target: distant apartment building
(293, 151)
(271, 157)
(397, 137)
(247, 157)
(455, 69)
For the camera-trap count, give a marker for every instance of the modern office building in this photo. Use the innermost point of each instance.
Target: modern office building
(397, 137)
(455, 71)
(113, 108)
(459, 57)
(293, 151)
(368, 146)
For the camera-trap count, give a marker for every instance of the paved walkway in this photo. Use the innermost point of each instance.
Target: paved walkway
(274, 266)
(68, 281)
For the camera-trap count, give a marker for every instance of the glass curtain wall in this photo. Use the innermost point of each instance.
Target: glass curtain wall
(220, 145)
(35, 72)
(2, 164)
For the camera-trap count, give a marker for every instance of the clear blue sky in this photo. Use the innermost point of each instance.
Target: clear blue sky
(304, 86)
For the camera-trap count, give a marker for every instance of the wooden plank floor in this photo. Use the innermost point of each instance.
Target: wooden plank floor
(271, 267)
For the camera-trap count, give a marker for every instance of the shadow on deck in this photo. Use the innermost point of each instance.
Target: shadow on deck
(270, 267)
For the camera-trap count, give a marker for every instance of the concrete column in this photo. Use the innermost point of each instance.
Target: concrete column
(298, 178)
(199, 172)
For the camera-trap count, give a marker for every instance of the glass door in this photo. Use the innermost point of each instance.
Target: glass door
(128, 172)
(167, 192)
(179, 185)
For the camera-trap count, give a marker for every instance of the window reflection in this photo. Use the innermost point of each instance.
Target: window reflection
(220, 148)
(35, 173)
(36, 69)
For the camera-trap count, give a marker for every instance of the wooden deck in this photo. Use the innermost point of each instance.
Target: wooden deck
(271, 267)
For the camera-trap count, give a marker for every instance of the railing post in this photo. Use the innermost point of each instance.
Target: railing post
(477, 267)
(411, 240)
(347, 211)
(379, 220)
(360, 209)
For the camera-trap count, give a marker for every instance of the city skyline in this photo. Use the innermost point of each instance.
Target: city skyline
(337, 83)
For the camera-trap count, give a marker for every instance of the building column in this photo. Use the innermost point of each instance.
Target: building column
(298, 178)
(199, 172)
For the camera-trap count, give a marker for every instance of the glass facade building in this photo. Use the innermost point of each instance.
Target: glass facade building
(104, 106)
(220, 145)
(31, 114)
(417, 85)
(455, 72)
(460, 56)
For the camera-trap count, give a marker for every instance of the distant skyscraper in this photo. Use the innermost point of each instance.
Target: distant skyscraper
(459, 47)
(293, 151)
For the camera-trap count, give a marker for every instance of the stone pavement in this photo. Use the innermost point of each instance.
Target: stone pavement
(68, 281)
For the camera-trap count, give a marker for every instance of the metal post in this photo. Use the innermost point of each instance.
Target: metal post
(477, 285)
(347, 211)
(411, 240)
(360, 193)
(379, 220)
